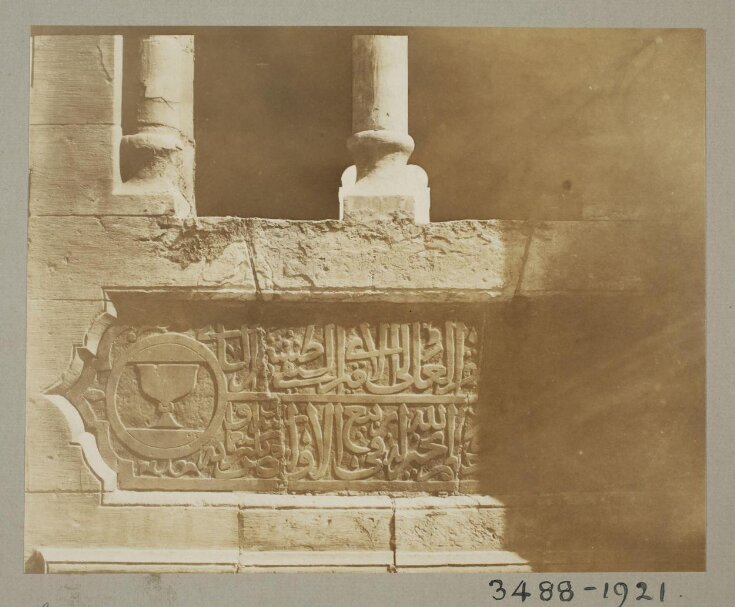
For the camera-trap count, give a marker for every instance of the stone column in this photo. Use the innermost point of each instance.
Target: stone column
(161, 152)
(381, 184)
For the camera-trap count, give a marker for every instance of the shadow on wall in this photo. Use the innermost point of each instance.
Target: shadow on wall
(593, 407)
(508, 123)
(594, 431)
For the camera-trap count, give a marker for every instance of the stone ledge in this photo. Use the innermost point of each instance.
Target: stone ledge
(472, 260)
(431, 502)
(260, 501)
(455, 529)
(315, 558)
(130, 560)
(78, 257)
(126, 560)
(458, 558)
(458, 261)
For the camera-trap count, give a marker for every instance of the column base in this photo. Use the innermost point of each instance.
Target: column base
(400, 194)
(362, 209)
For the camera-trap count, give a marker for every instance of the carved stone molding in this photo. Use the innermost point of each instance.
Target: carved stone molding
(309, 533)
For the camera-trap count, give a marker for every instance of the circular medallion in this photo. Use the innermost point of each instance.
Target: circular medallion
(166, 396)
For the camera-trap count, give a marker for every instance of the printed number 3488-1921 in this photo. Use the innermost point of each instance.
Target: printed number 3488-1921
(564, 592)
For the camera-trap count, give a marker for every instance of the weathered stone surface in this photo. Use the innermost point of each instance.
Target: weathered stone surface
(75, 257)
(133, 560)
(76, 80)
(390, 261)
(465, 532)
(73, 166)
(367, 208)
(324, 529)
(77, 520)
(55, 329)
(200, 395)
(454, 261)
(51, 462)
(446, 528)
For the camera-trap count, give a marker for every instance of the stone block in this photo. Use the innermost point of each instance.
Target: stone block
(316, 529)
(76, 80)
(55, 328)
(75, 257)
(448, 526)
(391, 261)
(77, 520)
(384, 208)
(465, 533)
(73, 167)
(52, 463)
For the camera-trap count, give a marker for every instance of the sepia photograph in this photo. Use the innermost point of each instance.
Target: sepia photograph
(366, 299)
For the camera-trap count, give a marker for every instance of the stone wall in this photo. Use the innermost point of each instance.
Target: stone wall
(586, 446)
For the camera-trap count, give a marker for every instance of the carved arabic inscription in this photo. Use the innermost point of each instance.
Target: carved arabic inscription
(327, 407)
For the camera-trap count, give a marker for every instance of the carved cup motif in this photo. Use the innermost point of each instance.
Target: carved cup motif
(172, 370)
(167, 383)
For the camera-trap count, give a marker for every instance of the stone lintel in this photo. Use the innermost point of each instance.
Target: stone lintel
(393, 261)
(133, 560)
